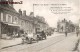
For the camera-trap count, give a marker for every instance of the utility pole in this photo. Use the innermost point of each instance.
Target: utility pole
(33, 10)
(33, 20)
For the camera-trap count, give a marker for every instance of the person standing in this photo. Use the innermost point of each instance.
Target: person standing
(66, 33)
(77, 32)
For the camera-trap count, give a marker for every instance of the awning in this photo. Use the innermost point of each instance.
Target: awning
(9, 24)
(4, 22)
(14, 25)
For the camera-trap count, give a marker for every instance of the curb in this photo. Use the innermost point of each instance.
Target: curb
(10, 46)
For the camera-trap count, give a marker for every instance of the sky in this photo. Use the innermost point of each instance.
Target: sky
(45, 11)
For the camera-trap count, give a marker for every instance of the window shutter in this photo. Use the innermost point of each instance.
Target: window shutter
(1, 16)
(11, 18)
(6, 17)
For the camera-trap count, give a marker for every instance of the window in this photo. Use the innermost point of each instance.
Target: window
(1, 16)
(8, 18)
(22, 22)
(15, 19)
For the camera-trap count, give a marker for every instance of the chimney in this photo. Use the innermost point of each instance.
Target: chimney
(31, 14)
(20, 12)
(24, 13)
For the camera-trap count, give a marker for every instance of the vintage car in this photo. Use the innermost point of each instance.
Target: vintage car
(29, 38)
(41, 35)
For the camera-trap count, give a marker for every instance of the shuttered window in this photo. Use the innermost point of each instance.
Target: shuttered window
(8, 18)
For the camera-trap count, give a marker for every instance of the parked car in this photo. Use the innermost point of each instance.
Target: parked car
(41, 35)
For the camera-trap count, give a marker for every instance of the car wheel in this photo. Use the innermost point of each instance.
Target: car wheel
(29, 40)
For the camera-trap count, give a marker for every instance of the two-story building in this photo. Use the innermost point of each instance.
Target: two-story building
(8, 19)
(26, 22)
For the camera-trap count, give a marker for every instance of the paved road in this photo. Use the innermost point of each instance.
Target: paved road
(37, 47)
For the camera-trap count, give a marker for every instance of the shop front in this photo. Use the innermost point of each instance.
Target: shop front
(9, 30)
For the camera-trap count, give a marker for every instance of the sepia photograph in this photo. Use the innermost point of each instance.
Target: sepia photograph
(39, 25)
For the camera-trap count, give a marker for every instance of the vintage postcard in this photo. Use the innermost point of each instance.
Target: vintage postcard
(39, 25)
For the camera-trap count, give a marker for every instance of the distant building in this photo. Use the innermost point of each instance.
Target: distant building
(65, 25)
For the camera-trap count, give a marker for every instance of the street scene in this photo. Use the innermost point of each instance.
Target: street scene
(39, 26)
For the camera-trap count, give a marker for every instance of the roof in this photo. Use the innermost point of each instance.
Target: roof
(27, 18)
(9, 8)
(32, 19)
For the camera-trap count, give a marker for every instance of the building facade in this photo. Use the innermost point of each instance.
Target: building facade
(8, 19)
(41, 23)
(26, 22)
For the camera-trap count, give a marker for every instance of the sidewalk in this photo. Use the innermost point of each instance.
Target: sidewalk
(7, 43)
